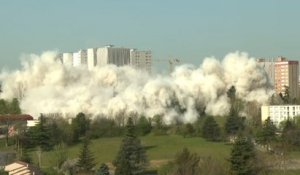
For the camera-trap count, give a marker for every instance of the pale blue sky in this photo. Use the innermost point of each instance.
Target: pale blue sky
(188, 29)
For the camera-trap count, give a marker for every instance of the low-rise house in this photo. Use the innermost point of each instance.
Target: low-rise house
(22, 168)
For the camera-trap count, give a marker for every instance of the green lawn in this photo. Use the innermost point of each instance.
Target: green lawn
(159, 148)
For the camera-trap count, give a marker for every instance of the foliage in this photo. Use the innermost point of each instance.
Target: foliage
(14, 107)
(103, 170)
(86, 160)
(4, 109)
(105, 127)
(188, 130)
(186, 163)
(243, 157)
(39, 135)
(131, 158)
(143, 126)
(234, 122)
(192, 164)
(291, 134)
(80, 125)
(159, 128)
(211, 130)
(267, 134)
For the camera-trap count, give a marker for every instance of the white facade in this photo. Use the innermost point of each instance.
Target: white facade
(67, 59)
(279, 113)
(141, 59)
(91, 58)
(112, 55)
(80, 58)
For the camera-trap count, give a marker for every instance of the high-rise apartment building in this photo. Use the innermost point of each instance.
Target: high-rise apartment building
(113, 55)
(67, 59)
(141, 59)
(287, 75)
(80, 58)
(269, 66)
(91, 58)
(282, 73)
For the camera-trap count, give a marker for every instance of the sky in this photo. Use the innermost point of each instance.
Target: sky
(186, 29)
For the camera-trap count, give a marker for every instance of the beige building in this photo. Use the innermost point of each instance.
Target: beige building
(113, 55)
(287, 75)
(80, 58)
(141, 59)
(91, 58)
(21, 168)
(67, 59)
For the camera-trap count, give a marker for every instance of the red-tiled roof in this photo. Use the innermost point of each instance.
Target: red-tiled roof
(15, 117)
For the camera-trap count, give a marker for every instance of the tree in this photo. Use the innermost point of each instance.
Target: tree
(234, 122)
(103, 170)
(186, 163)
(188, 130)
(86, 159)
(267, 133)
(143, 126)
(14, 107)
(3, 107)
(210, 129)
(243, 157)
(80, 125)
(131, 158)
(41, 136)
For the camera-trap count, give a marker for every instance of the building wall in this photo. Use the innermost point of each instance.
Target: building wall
(80, 58)
(67, 59)
(269, 66)
(279, 113)
(112, 55)
(91, 58)
(141, 59)
(287, 74)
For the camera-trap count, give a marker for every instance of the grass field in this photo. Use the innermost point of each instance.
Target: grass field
(159, 149)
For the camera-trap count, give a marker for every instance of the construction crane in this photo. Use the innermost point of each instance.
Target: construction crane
(172, 63)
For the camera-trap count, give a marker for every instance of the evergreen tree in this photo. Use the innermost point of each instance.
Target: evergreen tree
(80, 125)
(103, 170)
(267, 134)
(143, 126)
(188, 130)
(4, 109)
(14, 107)
(40, 136)
(243, 158)
(211, 130)
(186, 163)
(234, 122)
(131, 158)
(86, 159)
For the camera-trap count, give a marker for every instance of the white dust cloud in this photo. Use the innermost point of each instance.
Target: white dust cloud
(44, 85)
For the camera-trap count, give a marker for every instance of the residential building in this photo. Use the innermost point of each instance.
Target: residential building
(287, 75)
(141, 59)
(80, 58)
(113, 55)
(67, 59)
(19, 167)
(282, 73)
(269, 66)
(91, 58)
(279, 113)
